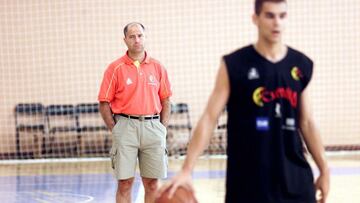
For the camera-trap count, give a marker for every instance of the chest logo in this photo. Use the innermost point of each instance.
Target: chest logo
(278, 110)
(289, 124)
(262, 124)
(261, 95)
(296, 73)
(253, 74)
(129, 81)
(152, 80)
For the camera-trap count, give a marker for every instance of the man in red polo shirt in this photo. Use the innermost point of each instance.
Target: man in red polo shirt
(134, 103)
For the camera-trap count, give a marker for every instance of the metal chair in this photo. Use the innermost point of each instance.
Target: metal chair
(62, 140)
(94, 137)
(179, 129)
(29, 120)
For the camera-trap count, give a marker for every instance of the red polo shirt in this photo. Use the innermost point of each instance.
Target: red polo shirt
(135, 88)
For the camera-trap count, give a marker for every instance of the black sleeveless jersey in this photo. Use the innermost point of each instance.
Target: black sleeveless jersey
(266, 163)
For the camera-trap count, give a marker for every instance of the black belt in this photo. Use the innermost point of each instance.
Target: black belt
(141, 118)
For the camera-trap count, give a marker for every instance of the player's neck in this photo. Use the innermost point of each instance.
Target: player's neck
(273, 52)
(137, 56)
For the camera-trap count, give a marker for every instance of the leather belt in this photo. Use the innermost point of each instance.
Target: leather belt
(141, 118)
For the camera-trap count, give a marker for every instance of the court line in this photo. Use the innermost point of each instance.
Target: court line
(182, 157)
(209, 174)
(103, 186)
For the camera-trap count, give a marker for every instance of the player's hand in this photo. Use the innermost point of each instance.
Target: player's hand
(182, 179)
(322, 185)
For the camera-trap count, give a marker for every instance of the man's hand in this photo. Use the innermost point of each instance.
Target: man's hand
(106, 114)
(322, 185)
(165, 112)
(182, 179)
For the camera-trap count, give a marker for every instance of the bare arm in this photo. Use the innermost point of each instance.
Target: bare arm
(208, 120)
(203, 131)
(314, 143)
(106, 114)
(165, 112)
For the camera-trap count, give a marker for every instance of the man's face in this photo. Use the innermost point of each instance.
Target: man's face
(135, 39)
(271, 21)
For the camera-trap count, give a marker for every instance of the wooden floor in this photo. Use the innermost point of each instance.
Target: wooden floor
(91, 181)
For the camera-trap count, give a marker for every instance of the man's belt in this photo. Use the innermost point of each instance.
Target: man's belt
(141, 118)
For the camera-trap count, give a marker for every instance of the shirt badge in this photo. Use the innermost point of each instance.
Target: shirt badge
(253, 74)
(262, 124)
(129, 81)
(296, 73)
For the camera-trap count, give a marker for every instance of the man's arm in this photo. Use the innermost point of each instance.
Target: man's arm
(203, 131)
(106, 114)
(314, 144)
(208, 120)
(165, 112)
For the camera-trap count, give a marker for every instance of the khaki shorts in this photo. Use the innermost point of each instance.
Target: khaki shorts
(139, 140)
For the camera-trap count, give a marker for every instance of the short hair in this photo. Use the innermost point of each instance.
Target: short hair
(131, 24)
(259, 4)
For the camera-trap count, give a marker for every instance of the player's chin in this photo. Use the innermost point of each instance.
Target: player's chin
(139, 50)
(275, 39)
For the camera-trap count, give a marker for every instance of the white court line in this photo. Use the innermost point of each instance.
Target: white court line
(53, 160)
(97, 159)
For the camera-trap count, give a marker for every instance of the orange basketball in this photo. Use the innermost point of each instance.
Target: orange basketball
(181, 195)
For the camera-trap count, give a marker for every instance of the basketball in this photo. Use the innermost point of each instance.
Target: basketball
(181, 195)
